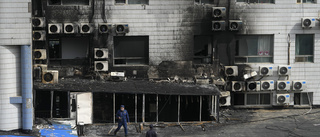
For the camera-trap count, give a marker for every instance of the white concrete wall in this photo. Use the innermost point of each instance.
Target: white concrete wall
(281, 19)
(15, 23)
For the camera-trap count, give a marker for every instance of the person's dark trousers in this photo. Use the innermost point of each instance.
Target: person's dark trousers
(124, 124)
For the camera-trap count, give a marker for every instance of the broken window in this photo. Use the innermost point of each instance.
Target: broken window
(254, 49)
(256, 1)
(54, 49)
(168, 108)
(306, 1)
(203, 1)
(68, 2)
(202, 49)
(102, 107)
(189, 108)
(131, 50)
(304, 47)
(132, 2)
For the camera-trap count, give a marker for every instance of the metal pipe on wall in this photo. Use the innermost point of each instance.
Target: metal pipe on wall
(26, 87)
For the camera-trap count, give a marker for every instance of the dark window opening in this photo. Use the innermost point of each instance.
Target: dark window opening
(68, 2)
(151, 108)
(252, 99)
(306, 1)
(103, 107)
(168, 108)
(256, 1)
(43, 104)
(305, 98)
(189, 108)
(133, 50)
(238, 99)
(128, 100)
(146, 2)
(60, 105)
(202, 49)
(206, 108)
(304, 47)
(54, 49)
(265, 99)
(204, 1)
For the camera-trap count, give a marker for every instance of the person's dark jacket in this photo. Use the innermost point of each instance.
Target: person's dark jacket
(151, 133)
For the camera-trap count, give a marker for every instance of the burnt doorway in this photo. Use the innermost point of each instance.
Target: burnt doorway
(102, 107)
(168, 108)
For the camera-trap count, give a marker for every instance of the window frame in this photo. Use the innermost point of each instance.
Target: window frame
(201, 3)
(69, 5)
(255, 56)
(203, 57)
(310, 94)
(127, 3)
(301, 2)
(147, 58)
(304, 56)
(248, 1)
(245, 103)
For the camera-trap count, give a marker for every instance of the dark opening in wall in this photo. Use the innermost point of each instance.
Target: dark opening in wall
(190, 108)
(102, 107)
(131, 50)
(168, 108)
(206, 108)
(151, 108)
(42, 104)
(60, 104)
(238, 99)
(202, 49)
(128, 100)
(68, 2)
(303, 98)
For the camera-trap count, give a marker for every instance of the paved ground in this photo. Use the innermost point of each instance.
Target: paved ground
(234, 123)
(241, 123)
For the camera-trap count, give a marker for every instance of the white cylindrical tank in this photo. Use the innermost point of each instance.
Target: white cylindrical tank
(10, 114)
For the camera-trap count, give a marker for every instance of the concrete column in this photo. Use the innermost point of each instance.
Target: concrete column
(26, 87)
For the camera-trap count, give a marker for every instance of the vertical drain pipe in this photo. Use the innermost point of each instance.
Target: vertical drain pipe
(26, 87)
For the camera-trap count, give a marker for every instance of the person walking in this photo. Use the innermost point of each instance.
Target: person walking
(123, 117)
(151, 132)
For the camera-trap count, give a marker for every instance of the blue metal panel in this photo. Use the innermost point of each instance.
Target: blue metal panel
(26, 87)
(16, 100)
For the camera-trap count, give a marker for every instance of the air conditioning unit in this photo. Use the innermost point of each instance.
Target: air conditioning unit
(218, 25)
(235, 25)
(238, 86)
(38, 22)
(38, 35)
(218, 12)
(69, 28)
(265, 70)
(284, 70)
(283, 85)
(231, 70)
(39, 54)
(283, 99)
(225, 98)
(50, 76)
(101, 66)
(100, 53)
(253, 85)
(54, 28)
(105, 27)
(308, 22)
(86, 28)
(117, 76)
(267, 85)
(299, 85)
(122, 28)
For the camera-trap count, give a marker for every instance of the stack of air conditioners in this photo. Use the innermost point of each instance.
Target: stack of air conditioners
(101, 55)
(218, 24)
(40, 71)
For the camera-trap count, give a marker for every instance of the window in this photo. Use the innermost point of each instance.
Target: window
(204, 1)
(68, 2)
(131, 50)
(304, 47)
(202, 49)
(242, 99)
(303, 98)
(256, 1)
(54, 49)
(132, 2)
(254, 49)
(306, 1)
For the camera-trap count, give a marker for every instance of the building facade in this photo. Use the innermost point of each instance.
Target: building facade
(177, 40)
